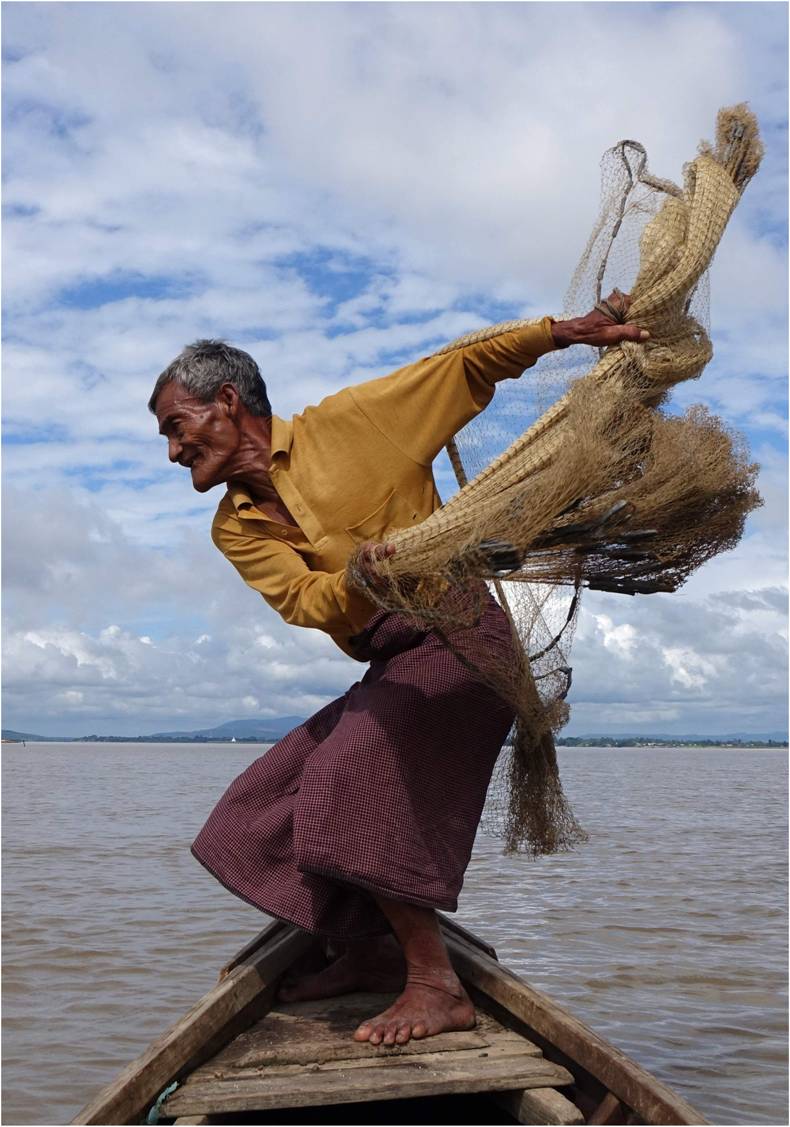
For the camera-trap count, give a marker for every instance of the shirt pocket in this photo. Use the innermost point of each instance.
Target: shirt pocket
(395, 512)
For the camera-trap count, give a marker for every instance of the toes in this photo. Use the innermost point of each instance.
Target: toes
(403, 1035)
(390, 1033)
(419, 1030)
(376, 1032)
(364, 1032)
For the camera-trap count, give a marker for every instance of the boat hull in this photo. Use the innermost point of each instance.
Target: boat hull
(238, 1054)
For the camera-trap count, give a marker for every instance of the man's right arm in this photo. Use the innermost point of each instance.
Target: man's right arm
(302, 597)
(420, 407)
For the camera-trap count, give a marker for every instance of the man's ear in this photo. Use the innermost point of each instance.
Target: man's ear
(228, 399)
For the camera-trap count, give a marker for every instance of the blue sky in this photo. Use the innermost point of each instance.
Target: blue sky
(340, 189)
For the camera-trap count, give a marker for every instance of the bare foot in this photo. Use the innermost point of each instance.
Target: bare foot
(374, 965)
(433, 1002)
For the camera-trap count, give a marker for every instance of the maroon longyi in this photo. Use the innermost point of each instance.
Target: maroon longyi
(380, 791)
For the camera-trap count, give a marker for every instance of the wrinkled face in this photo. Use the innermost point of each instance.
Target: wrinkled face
(200, 436)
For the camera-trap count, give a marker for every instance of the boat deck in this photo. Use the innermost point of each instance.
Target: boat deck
(240, 1056)
(303, 1055)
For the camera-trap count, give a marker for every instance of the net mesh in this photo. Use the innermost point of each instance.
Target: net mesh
(583, 471)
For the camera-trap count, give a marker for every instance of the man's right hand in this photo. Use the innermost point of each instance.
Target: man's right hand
(601, 327)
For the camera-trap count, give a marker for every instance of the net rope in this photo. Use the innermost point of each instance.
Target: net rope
(584, 470)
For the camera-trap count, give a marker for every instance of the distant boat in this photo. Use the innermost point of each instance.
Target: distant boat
(233, 739)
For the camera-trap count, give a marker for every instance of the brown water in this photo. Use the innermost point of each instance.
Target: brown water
(666, 934)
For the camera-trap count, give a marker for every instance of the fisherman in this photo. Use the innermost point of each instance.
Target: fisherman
(358, 824)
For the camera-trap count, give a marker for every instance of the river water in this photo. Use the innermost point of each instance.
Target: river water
(666, 933)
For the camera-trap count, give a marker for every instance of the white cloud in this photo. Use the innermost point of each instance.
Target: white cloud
(337, 189)
(621, 639)
(688, 668)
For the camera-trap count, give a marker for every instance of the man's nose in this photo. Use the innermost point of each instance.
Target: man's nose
(174, 448)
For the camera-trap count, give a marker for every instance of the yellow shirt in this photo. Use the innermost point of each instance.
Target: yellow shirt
(356, 467)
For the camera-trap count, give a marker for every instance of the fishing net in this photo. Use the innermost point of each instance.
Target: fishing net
(584, 471)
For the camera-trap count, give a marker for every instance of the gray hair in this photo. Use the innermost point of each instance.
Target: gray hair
(203, 367)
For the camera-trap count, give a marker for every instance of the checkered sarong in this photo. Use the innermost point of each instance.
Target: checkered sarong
(379, 792)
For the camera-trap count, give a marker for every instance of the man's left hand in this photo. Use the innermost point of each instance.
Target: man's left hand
(366, 557)
(601, 327)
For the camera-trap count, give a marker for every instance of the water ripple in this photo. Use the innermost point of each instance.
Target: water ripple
(667, 933)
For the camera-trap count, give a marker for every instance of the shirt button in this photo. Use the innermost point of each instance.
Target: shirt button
(299, 509)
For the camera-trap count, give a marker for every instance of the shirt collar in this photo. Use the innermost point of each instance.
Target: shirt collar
(281, 440)
(282, 436)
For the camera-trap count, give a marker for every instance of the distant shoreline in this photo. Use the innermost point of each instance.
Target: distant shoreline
(604, 741)
(595, 743)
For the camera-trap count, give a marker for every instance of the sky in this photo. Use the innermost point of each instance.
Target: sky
(340, 189)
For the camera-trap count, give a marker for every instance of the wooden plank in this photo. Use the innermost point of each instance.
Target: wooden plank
(197, 1120)
(313, 1032)
(377, 1058)
(609, 1110)
(402, 1078)
(241, 998)
(284, 1037)
(654, 1101)
(539, 1106)
(260, 940)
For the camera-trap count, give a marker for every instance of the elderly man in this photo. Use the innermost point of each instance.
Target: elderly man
(359, 824)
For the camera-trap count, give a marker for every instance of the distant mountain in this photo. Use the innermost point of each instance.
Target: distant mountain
(270, 729)
(261, 728)
(9, 734)
(267, 730)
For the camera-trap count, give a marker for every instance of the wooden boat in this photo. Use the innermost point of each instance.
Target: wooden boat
(239, 1056)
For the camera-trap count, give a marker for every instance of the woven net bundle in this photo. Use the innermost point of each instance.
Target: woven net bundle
(603, 488)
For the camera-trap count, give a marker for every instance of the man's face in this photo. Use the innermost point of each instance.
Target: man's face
(199, 435)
